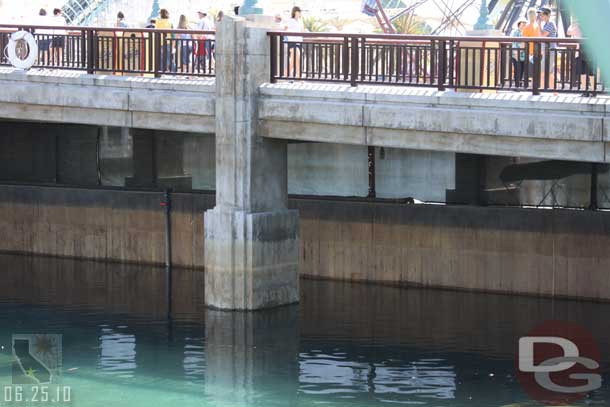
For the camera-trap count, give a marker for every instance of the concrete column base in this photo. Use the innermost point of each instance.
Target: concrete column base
(251, 259)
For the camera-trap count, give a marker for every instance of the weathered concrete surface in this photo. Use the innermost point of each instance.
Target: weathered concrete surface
(558, 253)
(135, 102)
(509, 124)
(251, 259)
(251, 238)
(123, 226)
(324, 169)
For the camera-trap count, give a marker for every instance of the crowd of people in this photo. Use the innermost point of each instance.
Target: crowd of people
(539, 24)
(183, 51)
(180, 50)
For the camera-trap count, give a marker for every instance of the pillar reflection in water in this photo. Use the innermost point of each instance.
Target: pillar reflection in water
(118, 353)
(252, 357)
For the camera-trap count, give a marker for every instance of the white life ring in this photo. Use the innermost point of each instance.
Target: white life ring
(11, 50)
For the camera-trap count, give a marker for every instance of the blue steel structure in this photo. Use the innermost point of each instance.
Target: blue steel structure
(81, 12)
(87, 12)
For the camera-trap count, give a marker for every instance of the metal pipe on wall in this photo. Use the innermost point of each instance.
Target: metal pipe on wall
(167, 205)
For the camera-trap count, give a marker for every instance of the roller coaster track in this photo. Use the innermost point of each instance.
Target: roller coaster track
(80, 12)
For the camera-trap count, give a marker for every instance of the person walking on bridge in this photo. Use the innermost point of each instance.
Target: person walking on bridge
(184, 44)
(205, 46)
(519, 54)
(59, 37)
(531, 30)
(43, 36)
(205, 23)
(295, 42)
(120, 20)
(163, 23)
(549, 50)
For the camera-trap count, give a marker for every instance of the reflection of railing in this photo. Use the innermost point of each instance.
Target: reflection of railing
(132, 51)
(477, 63)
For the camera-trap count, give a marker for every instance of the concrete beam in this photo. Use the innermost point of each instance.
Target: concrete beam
(136, 102)
(549, 127)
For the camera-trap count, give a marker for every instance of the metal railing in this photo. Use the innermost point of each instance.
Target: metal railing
(119, 51)
(470, 63)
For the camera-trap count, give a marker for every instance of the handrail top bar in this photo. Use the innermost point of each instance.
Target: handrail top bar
(424, 37)
(308, 34)
(106, 29)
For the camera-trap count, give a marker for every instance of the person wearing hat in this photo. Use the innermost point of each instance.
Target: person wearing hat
(549, 30)
(518, 56)
(202, 23)
(205, 43)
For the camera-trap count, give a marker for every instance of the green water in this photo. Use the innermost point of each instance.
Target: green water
(344, 345)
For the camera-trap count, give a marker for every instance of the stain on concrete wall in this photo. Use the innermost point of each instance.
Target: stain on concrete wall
(557, 253)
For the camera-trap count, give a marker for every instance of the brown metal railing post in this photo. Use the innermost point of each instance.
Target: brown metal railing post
(91, 51)
(442, 65)
(345, 55)
(157, 54)
(273, 39)
(363, 59)
(83, 48)
(504, 60)
(537, 71)
(354, 62)
(452, 63)
(547, 65)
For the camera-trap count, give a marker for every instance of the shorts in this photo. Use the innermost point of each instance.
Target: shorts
(295, 45)
(552, 63)
(43, 45)
(59, 42)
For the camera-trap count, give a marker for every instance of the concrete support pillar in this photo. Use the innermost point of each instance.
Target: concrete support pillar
(251, 238)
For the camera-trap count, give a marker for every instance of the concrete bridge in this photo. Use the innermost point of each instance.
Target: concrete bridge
(557, 127)
(251, 237)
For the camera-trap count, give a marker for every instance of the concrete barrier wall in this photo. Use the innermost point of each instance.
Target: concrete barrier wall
(537, 252)
(101, 224)
(540, 252)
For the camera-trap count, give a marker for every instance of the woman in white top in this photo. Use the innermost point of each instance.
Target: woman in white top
(59, 38)
(295, 43)
(43, 36)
